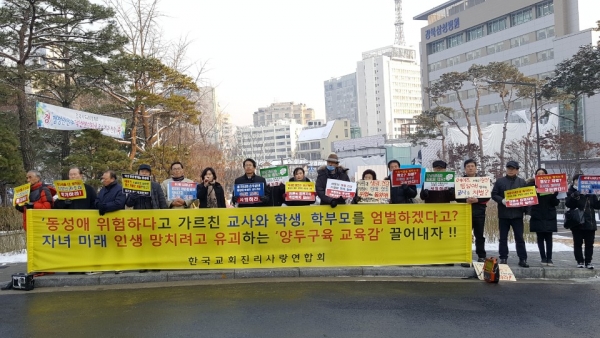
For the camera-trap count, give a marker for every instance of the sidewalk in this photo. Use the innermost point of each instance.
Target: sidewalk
(564, 268)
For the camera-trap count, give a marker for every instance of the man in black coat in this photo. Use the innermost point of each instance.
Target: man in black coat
(508, 217)
(333, 171)
(478, 207)
(111, 197)
(248, 178)
(156, 200)
(82, 203)
(403, 194)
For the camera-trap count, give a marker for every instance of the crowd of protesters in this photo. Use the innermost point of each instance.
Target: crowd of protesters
(211, 194)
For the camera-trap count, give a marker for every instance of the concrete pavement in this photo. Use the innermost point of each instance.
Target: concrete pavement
(564, 268)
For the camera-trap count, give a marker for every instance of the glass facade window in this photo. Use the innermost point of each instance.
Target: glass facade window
(474, 54)
(545, 33)
(475, 33)
(496, 25)
(521, 17)
(545, 8)
(545, 55)
(455, 40)
(437, 46)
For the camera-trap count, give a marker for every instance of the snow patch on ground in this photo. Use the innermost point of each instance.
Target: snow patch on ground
(13, 257)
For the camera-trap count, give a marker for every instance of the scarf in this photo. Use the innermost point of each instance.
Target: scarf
(211, 197)
(178, 179)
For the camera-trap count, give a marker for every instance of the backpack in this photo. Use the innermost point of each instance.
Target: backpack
(491, 270)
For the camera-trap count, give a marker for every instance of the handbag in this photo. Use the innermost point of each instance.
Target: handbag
(575, 217)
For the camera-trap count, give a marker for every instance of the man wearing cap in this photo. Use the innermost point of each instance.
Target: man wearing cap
(156, 200)
(508, 217)
(478, 207)
(333, 171)
(403, 194)
(248, 178)
(437, 196)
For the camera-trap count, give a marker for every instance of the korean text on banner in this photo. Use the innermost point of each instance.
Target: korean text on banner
(521, 197)
(240, 238)
(478, 187)
(589, 185)
(275, 175)
(70, 189)
(300, 191)
(338, 188)
(184, 190)
(409, 176)
(439, 180)
(136, 183)
(59, 118)
(249, 193)
(21, 194)
(551, 183)
(373, 191)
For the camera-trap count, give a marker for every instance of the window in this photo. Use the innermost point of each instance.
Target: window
(519, 41)
(495, 48)
(545, 33)
(474, 54)
(455, 40)
(315, 145)
(435, 66)
(475, 33)
(545, 8)
(345, 132)
(521, 17)
(496, 25)
(545, 55)
(437, 46)
(453, 61)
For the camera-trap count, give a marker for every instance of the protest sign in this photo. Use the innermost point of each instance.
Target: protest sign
(300, 191)
(337, 188)
(275, 175)
(70, 189)
(249, 193)
(551, 183)
(137, 184)
(589, 184)
(184, 190)
(477, 187)
(21, 194)
(521, 197)
(373, 191)
(408, 176)
(439, 180)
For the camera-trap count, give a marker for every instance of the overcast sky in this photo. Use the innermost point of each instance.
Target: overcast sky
(262, 51)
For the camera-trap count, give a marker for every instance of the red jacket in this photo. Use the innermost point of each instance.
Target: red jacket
(40, 196)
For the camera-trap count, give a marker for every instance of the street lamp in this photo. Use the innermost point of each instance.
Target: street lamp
(537, 120)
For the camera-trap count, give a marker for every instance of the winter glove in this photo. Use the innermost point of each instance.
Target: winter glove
(19, 208)
(451, 191)
(504, 201)
(425, 193)
(576, 194)
(133, 196)
(29, 205)
(358, 199)
(102, 209)
(234, 199)
(334, 203)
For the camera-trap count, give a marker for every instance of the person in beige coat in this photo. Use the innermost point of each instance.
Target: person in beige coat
(177, 175)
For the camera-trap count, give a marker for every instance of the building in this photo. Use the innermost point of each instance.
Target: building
(316, 143)
(533, 35)
(269, 143)
(283, 111)
(389, 91)
(341, 101)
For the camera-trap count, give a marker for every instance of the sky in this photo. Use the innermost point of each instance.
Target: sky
(264, 51)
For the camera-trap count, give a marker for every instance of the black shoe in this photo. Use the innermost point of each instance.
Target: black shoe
(503, 261)
(544, 261)
(549, 262)
(481, 259)
(465, 265)
(523, 263)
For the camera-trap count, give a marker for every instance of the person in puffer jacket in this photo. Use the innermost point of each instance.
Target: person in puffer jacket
(298, 177)
(40, 195)
(333, 171)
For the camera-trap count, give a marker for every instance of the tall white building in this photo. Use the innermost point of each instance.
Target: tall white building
(283, 111)
(533, 35)
(268, 143)
(341, 101)
(389, 91)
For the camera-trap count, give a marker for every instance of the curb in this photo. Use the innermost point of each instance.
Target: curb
(371, 271)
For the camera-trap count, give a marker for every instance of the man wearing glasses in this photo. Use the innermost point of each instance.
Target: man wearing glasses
(177, 175)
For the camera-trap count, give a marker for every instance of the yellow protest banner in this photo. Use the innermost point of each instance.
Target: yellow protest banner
(21, 194)
(239, 238)
(70, 189)
(136, 183)
(521, 197)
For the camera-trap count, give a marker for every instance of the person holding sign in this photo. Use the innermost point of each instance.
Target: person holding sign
(437, 196)
(478, 207)
(403, 194)
(508, 217)
(78, 203)
(584, 229)
(298, 177)
(543, 220)
(111, 197)
(210, 193)
(250, 179)
(40, 195)
(156, 200)
(333, 171)
(177, 175)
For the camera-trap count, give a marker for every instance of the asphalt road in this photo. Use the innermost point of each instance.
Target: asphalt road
(310, 309)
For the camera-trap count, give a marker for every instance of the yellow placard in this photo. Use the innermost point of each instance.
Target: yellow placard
(239, 238)
(519, 193)
(21, 194)
(70, 189)
(300, 186)
(138, 184)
